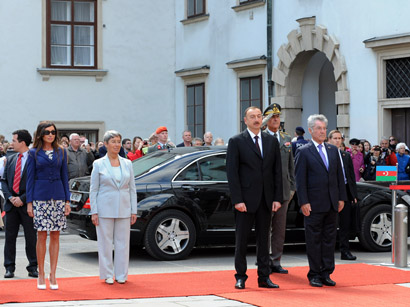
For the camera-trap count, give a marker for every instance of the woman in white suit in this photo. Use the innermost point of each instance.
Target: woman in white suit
(114, 209)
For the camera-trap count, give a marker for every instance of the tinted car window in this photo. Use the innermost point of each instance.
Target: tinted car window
(213, 168)
(146, 163)
(191, 173)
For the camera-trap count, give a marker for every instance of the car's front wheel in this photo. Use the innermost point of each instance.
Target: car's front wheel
(376, 231)
(170, 235)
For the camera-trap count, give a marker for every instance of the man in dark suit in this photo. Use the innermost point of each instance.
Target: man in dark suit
(255, 182)
(348, 214)
(14, 189)
(321, 193)
(278, 222)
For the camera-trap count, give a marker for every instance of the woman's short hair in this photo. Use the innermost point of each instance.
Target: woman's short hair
(398, 146)
(313, 118)
(111, 134)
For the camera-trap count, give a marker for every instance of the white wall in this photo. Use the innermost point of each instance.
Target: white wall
(351, 22)
(226, 36)
(135, 97)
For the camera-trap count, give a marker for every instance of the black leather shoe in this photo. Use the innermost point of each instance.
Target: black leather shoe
(33, 274)
(328, 282)
(9, 274)
(267, 283)
(240, 284)
(347, 256)
(316, 282)
(278, 269)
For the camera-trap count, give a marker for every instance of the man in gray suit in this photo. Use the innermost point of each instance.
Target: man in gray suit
(278, 221)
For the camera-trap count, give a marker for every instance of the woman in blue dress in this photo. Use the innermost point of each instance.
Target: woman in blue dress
(47, 196)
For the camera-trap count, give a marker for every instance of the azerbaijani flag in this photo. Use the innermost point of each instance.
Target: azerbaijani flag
(386, 173)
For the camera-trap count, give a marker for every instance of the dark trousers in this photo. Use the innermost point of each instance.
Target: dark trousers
(15, 217)
(244, 223)
(344, 226)
(320, 232)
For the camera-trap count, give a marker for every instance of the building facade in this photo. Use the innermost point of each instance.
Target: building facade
(346, 59)
(87, 65)
(130, 65)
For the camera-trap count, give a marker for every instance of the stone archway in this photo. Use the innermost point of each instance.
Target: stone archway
(288, 76)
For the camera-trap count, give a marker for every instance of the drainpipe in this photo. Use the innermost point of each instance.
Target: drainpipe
(269, 29)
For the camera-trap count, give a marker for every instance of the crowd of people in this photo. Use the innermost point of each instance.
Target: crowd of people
(35, 194)
(366, 157)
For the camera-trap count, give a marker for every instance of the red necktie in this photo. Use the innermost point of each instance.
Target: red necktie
(17, 175)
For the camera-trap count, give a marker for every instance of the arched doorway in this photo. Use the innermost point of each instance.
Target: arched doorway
(318, 90)
(311, 78)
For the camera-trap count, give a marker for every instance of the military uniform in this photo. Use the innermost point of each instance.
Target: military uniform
(159, 146)
(278, 222)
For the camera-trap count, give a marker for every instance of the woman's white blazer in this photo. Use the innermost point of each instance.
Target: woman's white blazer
(109, 199)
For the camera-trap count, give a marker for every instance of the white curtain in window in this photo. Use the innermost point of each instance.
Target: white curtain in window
(60, 11)
(84, 11)
(60, 44)
(84, 46)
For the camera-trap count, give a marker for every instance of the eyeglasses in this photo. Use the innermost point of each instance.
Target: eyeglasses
(392, 140)
(48, 132)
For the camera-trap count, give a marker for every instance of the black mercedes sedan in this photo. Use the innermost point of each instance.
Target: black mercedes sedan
(183, 202)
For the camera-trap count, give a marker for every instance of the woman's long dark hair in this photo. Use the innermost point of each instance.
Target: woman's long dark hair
(38, 137)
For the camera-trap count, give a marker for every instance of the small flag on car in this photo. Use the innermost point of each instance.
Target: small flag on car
(386, 173)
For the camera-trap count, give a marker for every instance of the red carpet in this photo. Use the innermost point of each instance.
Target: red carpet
(358, 283)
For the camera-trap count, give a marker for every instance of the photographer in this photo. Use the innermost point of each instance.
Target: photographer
(387, 155)
(374, 159)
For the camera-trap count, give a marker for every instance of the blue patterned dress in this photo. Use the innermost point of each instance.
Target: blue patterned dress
(49, 214)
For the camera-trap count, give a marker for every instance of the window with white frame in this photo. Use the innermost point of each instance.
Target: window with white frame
(71, 33)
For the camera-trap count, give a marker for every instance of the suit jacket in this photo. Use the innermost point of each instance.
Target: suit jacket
(288, 167)
(249, 174)
(350, 175)
(315, 184)
(47, 179)
(109, 199)
(7, 182)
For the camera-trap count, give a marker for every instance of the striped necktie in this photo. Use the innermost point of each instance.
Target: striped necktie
(17, 175)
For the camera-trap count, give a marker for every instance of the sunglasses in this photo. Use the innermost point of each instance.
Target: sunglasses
(48, 132)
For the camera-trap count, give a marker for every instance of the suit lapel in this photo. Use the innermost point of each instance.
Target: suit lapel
(329, 152)
(109, 169)
(13, 161)
(251, 143)
(266, 144)
(123, 170)
(315, 153)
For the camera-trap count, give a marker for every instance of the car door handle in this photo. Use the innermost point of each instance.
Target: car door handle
(190, 188)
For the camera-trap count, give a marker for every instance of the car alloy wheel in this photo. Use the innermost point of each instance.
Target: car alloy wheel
(170, 235)
(376, 234)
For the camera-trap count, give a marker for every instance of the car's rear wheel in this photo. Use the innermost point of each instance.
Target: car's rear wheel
(376, 232)
(170, 235)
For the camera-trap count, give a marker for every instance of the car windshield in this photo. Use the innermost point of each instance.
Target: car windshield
(146, 163)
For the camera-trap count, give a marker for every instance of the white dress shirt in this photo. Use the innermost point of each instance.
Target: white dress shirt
(259, 139)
